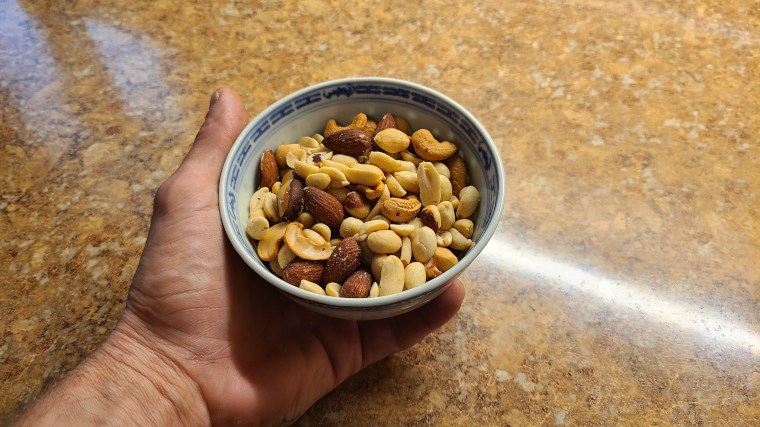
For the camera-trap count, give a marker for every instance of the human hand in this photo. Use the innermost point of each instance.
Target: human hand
(231, 346)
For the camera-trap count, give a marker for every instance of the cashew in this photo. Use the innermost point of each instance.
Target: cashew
(391, 276)
(469, 197)
(302, 244)
(271, 208)
(337, 177)
(403, 230)
(447, 215)
(282, 152)
(311, 287)
(270, 242)
(350, 227)
(446, 191)
(332, 289)
(306, 219)
(308, 142)
(284, 256)
(393, 186)
(446, 258)
(372, 192)
(458, 241)
(423, 244)
(443, 239)
(414, 275)
(368, 175)
(295, 155)
(427, 147)
(359, 122)
(430, 184)
(384, 241)
(319, 180)
(304, 169)
(374, 291)
(392, 140)
(406, 251)
(400, 210)
(464, 226)
(257, 225)
(442, 169)
(408, 181)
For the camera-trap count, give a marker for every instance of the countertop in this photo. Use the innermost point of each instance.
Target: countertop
(621, 287)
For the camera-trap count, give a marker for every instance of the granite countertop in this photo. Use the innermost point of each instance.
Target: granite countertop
(622, 285)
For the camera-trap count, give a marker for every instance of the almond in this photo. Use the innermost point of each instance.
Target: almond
(300, 269)
(386, 122)
(343, 261)
(270, 173)
(324, 207)
(290, 200)
(351, 141)
(356, 205)
(357, 285)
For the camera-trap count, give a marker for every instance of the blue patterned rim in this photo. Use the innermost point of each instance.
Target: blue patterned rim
(380, 91)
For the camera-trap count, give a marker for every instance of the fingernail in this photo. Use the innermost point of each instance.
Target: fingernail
(215, 97)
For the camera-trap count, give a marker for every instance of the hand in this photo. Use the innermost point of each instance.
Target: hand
(232, 347)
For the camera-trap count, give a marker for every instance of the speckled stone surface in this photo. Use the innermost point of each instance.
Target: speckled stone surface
(622, 287)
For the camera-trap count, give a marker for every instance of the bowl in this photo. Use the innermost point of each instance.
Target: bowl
(305, 112)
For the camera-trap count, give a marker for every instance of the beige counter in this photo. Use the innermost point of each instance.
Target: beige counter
(622, 286)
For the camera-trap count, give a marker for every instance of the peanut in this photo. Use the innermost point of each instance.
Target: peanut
(311, 287)
(384, 241)
(430, 184)
(469, 198)
(447, 215)
(392, 140)
(424, 243)
(391, 276)
(464, 226)
(414, 275)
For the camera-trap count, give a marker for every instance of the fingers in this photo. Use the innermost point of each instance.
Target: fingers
(384, 337)
(225, 120)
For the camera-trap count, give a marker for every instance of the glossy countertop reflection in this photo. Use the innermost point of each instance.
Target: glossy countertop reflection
(622, 286)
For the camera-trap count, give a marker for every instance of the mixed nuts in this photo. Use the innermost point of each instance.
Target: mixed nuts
(368, 209)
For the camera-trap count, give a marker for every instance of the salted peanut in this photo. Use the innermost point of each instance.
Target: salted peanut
(427, 147)
(464, 226)
(384, 241)
(430, 184)
(323, 230)
(306, 219)
(446, 258)
(257, 225)
(469, 198)
(257, 199)
(337, 177)
(458, 241)
(319, 180)
(392, 140)
(368, 175)
(370, 227)
(287, 176)
(374, 291)
(333, 164)
(295, 155)
(270, 207)
(308, 142)
(335, 242)
(409, 157)
(443, 239)
(285, 256)
(381, 218)
(379, 203)
(393, 186)
(408, 181)
(414, 275)
(377, 265)
(391, 276)
(446, 209)
(304, 169)
(314, 236)
(350, 227)
(332, 289)
(311, 287)
(424, 243)
(442, 169)
(345, 159)
(431, 217)
(416, 223)
(385, 162)
(281, 153)
(276, 187)
(339, 193)
(275, 267)
(431, 268)
(315, 156)
(446, 190)
(270, 243)
(307, 244)
(356, 205)
(404, 165)
(403, 230)
(372, 192)
(400, 210)
(318, 137)
(454, 202)
(405, 254)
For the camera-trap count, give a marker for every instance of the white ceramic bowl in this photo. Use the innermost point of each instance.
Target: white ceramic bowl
(305, 113)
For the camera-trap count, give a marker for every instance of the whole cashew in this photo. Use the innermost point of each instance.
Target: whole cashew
(427, 147)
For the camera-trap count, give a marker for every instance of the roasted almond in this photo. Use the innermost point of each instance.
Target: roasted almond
(270, 173)
(357, 285)
(323, 206)
(290, 200)
(343, 261)
(300, 269)
(386, 122)
(351, 141)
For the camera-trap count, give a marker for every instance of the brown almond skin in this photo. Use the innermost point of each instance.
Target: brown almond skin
(356, 204)
(387, 122)
(293, 200)
(323, 206)
(357, 285)
(270, 172)
(299, 269)
(343, 261)
(351, 141)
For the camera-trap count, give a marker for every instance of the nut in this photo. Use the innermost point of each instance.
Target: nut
(394, 187)
(457, 174)
(350, 226)
(306, 219)
(414, 275)
(376, 266)
(304, 246)
(281, 153)
(311, 287)
(359, 122)
(384, 241)
(400, 210)
(403, 230)
(332, 289)
(458, 241)
(430, 184)
(370, 227)
(427, 147)
(323, 230)
(300, 269)
(379, 204)
(269, 206)
(411, 158)
(469, 197)
(325, 208)
(357, 285)
(271, 241)
(391, 276)
(443, 239)
(403, 125)
(362, 174)
(374, 291)
(446, 190)
(385, 162)
(337, 177)
(356, 205)
(448, 217)
(392, 140)
(343, 261)
(446, 259)
(387, 122)
(285, 256)
(270, 172)
(295, 155)
(304, 169)
(343, 159)
(308, 142)
(431, 268)
(372, 192)
(290, 200)
(353, 142)
(442, 169)
(423, 244)
(408, 181)
(464, 226)
(431, 217)
(405, 254)
(319, 180)
(339, 193)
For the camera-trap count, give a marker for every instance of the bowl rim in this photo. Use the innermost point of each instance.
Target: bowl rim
(380, 301)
